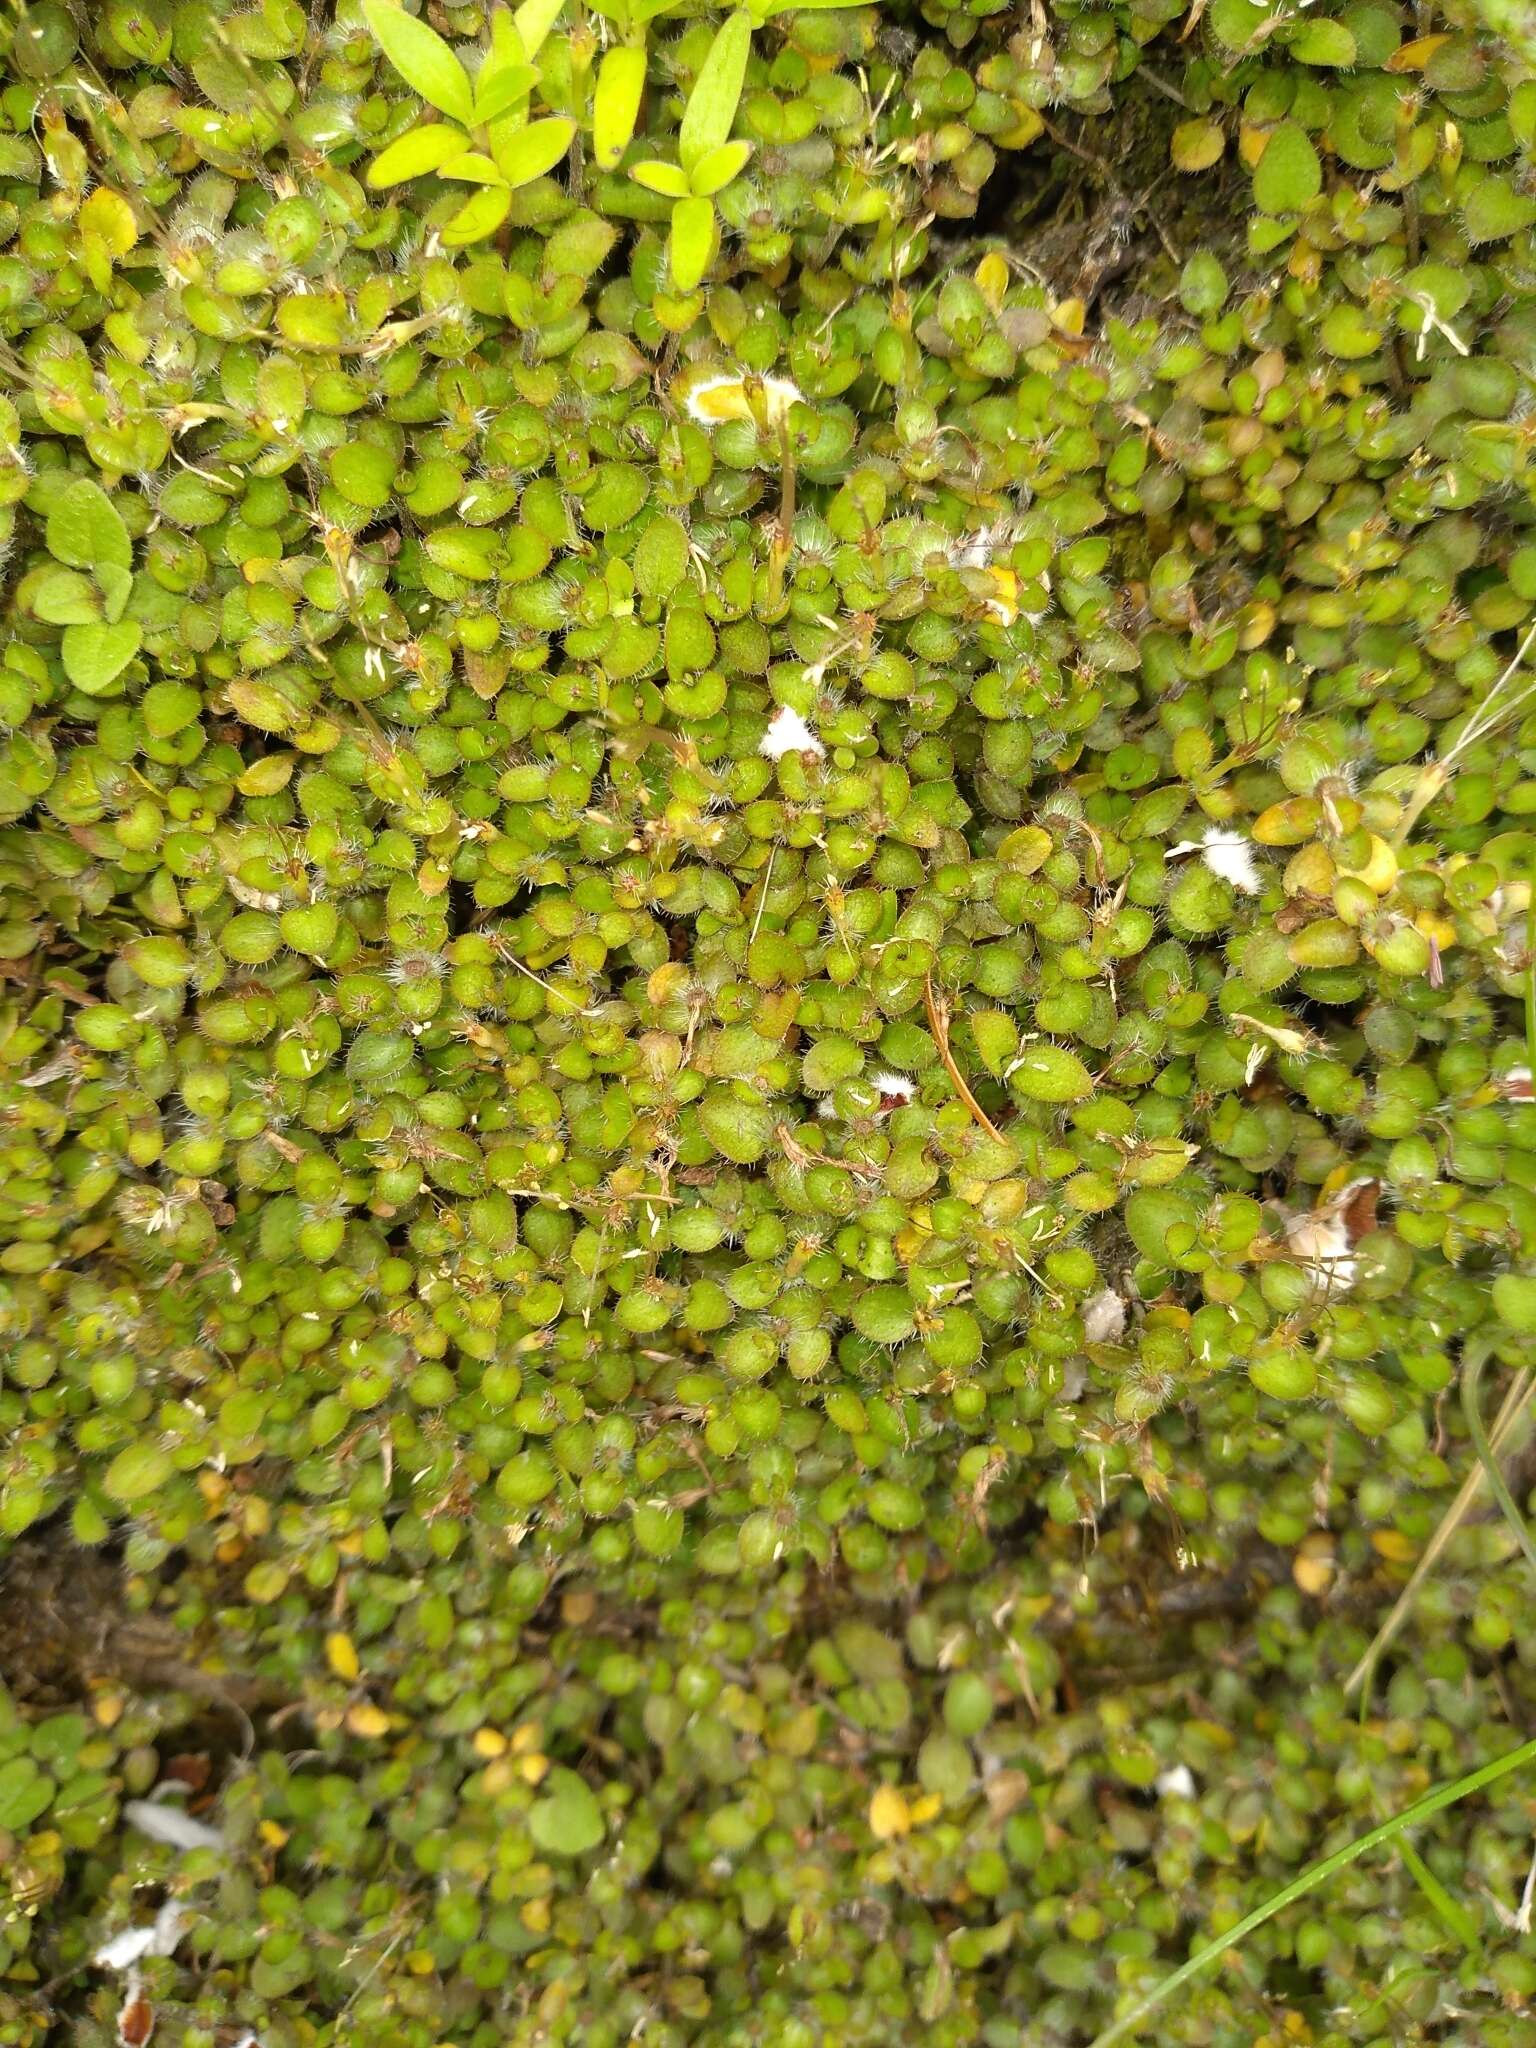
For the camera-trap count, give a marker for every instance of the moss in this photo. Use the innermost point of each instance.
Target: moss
(765, 892)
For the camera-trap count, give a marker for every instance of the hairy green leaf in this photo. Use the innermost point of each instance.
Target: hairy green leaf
(96, 655)
(616, 103)
(716, 93)
(692, 244)
(715, 171)
(85, 528)
(421, 57)
(415, 154)
(530, 152)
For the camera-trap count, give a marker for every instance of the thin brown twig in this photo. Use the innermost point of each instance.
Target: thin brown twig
(938, 1024)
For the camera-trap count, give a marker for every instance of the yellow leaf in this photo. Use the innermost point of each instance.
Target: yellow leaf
(1310, 873)
(266, 776)
(489, 1742)
(318, 737)
(1250, 144)
(368, 1720)
(274, 1835)
(889, 1814)
(1004, 607)
(1415, 55)
(992, 279)
(341, 1654)
(1196, 145)
(107, 214)
(1313, 1565)
(1380, 869)
(1291, 822)
(926, 1809)
(1023, 132)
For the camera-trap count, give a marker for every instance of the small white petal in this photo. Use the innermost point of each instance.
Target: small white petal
(697, 398)
(1320, 1240)
(780, 393)
(718, 398)
(163, 1823)
(789, 734)
(1177, 1783)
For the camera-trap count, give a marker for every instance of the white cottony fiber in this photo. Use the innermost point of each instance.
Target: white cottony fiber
(164, 1823)
(159, 1938)
(1227, 854)
(789, 734)
(1104, 1316)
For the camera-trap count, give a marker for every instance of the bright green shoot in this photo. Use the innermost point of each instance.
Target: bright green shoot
(487, 141)
(621, 75)
(707, 158)
(620, 88)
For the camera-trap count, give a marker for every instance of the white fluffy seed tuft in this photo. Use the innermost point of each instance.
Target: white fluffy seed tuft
(1104, 1316)
(789, 734)
(1227, 854)
(160, 1938)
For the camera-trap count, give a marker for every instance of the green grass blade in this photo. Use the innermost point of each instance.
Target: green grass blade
(1451, 1913)
(1471, 1401)
(1314, 1875)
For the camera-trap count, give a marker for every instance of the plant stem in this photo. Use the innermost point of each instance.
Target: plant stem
(1471, 1390)
(1434, 775)
(1511, 1413)
(1309, 1880)
(938, 1023)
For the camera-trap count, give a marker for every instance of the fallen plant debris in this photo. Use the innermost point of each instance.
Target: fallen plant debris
(768, 1231)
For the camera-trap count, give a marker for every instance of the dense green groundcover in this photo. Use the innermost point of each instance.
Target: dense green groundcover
(765, 842)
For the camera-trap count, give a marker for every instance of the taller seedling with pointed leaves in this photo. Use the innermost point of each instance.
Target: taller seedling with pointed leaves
(707, 158)
(488, 139)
